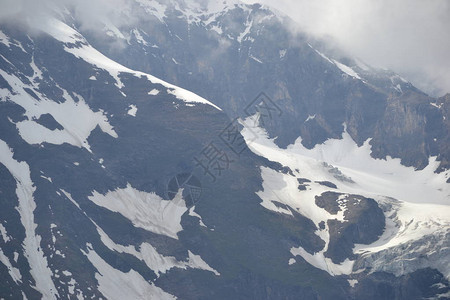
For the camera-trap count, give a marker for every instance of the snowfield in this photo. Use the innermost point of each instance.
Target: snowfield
(416, 203)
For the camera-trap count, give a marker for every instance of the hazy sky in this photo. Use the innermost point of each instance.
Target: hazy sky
(411, 37)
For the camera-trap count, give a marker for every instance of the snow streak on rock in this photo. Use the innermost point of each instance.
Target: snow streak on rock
(114, 284)
(32, 243)
(78, 46)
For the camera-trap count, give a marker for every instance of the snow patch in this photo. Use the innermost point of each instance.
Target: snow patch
(192, 213)
(49, 179)
(157, 262)
(4, 233)
(153, 92)
(319, 261)
(154, 7)
(4, 39)
(248, 27)
(197, 261)
(323, 55)
(310, 118)
(13, 272)
(255, 59)
(31, 244)
(139, 38)
(216, 29)
(352, 282)
(145, 210)
(132, 110)
(346, 69)
(76, 117)
(114, 284)
(436, 105)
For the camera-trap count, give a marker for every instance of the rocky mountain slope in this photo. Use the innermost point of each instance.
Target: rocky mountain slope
(116, 184)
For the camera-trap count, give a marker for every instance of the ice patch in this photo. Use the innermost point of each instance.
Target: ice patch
(416, 221)
(415, 232)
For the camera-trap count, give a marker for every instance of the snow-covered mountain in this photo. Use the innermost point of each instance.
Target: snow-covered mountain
(305, 175)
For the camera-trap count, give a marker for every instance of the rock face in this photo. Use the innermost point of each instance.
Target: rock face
(115, 184)
(412, 286)
(363, 223)
(230, 56)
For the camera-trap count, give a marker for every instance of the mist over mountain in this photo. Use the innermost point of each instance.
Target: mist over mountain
(410, 37)
(170, 149)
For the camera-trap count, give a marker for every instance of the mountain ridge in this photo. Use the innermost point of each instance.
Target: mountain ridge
(89, 149)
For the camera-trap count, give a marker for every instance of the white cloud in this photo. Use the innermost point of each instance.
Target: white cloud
(411, 37)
